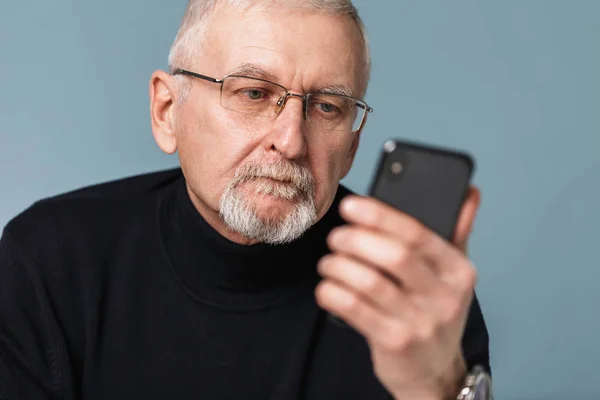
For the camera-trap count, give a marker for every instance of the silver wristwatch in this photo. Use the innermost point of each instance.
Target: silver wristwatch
(478, 385)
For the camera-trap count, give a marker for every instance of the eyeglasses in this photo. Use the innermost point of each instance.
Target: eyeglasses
(261, 98)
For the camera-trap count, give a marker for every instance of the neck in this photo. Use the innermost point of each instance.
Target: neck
(214, 269)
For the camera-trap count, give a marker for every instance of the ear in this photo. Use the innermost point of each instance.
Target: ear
(351, 154)
(163, 92)
(466, 219)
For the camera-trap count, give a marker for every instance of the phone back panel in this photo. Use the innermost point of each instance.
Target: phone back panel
(425, 182)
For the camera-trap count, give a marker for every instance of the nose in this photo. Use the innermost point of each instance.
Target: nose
(287, 133)
(283, 101)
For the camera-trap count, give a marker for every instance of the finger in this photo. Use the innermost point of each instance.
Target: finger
(378, 216)
(462, 277)
(375, 214)
(367, 281)
(403, 264)
(466, 218)
(358, 313)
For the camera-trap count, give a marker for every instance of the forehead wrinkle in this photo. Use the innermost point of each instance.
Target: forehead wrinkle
(291, 65)
(252, 70)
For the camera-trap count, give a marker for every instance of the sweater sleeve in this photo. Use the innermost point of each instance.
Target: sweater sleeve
(475, 340)
(31, 346)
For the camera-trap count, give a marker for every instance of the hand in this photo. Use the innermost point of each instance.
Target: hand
(406, 290)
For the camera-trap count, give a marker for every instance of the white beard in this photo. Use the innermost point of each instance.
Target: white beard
(293, 183)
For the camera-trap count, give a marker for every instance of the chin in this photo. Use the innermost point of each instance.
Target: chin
(269, 208)
(267, 211)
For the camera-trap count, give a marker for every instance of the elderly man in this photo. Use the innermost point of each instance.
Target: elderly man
(214, 281)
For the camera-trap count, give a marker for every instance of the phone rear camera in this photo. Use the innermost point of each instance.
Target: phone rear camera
(396, 168)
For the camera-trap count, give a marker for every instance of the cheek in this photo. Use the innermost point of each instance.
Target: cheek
(197, 165)
(210, 149)
(335, 159)
(329, 166)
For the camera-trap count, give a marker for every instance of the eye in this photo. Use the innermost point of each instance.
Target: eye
(254, 94)
(327, 107)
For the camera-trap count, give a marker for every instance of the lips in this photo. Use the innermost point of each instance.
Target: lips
(273, 182)
(275, 188)
(284, 181)
(280, 179)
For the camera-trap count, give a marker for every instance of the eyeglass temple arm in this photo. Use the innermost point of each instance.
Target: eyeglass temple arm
(195, 75)
(365, 107)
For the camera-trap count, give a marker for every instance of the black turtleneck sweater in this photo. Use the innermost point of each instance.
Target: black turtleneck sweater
(123, 291)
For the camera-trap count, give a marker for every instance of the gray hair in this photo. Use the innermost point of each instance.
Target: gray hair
(192, 31)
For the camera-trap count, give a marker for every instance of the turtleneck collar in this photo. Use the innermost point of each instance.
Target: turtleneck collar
(217, 271)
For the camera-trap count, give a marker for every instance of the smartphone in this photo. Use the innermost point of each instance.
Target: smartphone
(427, 182)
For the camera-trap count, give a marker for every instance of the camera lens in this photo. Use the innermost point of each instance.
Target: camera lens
(396, 168)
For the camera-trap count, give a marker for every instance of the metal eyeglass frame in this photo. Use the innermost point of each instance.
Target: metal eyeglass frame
(281, 102)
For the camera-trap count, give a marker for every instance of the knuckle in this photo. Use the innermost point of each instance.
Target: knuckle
(397, 341)
(373, 284)
(451, 312)
(427, 331)
(418, 235)
(351, 306)
(399, 345)
(399, 256)
(469, 276)
(377, 215)
(335, 263)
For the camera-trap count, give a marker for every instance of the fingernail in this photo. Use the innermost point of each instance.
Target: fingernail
(321, 265)
(341, 297)
(349, 205)
(337, 237)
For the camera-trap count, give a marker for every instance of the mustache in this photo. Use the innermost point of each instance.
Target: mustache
(281, 170)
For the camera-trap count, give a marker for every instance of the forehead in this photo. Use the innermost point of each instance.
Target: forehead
(300, 47)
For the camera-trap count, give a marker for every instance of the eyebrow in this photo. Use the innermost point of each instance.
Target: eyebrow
(254, 71)
(334, 89)
(251, 70)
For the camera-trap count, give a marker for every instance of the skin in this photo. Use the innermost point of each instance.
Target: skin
(407, 290)
(404, 288)
(213, 141)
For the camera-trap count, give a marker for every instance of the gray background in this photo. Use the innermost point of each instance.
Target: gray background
(516, 83)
